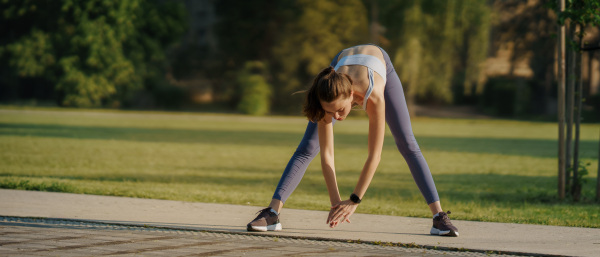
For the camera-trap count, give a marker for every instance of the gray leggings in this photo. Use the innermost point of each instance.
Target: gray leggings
(397, 118)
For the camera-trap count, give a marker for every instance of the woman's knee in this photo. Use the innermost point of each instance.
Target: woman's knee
(408, 145)
(308, 148)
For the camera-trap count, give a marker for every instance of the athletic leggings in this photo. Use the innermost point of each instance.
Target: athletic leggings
(397, 118)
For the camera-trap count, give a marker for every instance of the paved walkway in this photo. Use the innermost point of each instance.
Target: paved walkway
(131, 222)
(51, 237)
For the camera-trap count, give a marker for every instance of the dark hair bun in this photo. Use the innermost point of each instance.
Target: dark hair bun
(325, 73)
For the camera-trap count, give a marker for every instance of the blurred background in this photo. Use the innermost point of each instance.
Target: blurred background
(494, 58)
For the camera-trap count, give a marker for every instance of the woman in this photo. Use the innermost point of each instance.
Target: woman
(361, 75)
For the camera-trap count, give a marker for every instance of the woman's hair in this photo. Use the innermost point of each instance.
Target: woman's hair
(327, 86)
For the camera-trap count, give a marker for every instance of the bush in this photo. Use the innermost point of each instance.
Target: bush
(255, 91)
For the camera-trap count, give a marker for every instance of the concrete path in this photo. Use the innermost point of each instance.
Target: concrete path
(232, 219)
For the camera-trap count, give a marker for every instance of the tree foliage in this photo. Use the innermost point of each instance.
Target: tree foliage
(95, 52)
(438, 42)
(295, 39)
(249, 31)
(580, 12)
(316, 32)
(245, 33)
(435, 45)
(100, 52)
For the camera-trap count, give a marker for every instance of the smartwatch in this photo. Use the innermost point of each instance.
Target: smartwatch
(354, 198)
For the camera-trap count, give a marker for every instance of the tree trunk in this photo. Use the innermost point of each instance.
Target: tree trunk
(588, 87)
(576, 188)
(561, 107)
(570, 103)
(548, 84)
(374, 25)
(598, 177)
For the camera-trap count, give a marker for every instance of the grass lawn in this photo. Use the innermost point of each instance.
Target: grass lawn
(486, 170)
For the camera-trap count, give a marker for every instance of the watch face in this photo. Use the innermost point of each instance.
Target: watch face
(354, 198)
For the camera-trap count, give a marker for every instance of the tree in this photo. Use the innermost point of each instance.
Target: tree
(249, 31)
(246, 33)
(598, 176)
(315, 33)
(93, 53)
(580, 14)
(436, 43)
(561, 105)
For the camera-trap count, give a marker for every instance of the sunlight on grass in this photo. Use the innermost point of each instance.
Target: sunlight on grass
(487, 170)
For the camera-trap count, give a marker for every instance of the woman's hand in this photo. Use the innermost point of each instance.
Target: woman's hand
(341, 212)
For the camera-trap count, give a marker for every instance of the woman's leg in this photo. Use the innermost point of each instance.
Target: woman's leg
(397, 118)
(267, 220)
(294, 171)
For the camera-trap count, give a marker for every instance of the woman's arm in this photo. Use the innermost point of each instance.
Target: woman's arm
(325, 130)
(376, 112)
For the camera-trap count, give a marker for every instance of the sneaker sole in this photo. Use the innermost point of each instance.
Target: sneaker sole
(435, 231)
(274, 227)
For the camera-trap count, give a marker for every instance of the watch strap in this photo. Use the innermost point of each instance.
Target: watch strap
(354, 198)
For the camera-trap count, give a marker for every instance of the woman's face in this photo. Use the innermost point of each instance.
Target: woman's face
(338, 108)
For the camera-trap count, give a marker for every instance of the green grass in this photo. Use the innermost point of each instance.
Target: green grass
(486, 170)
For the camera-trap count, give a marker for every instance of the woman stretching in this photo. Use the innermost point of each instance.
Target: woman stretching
(360, 75)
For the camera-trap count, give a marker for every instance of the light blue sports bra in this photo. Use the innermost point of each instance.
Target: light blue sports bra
(371, 62)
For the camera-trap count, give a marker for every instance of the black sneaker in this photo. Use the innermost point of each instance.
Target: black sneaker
(265, 221)
(442, 226)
